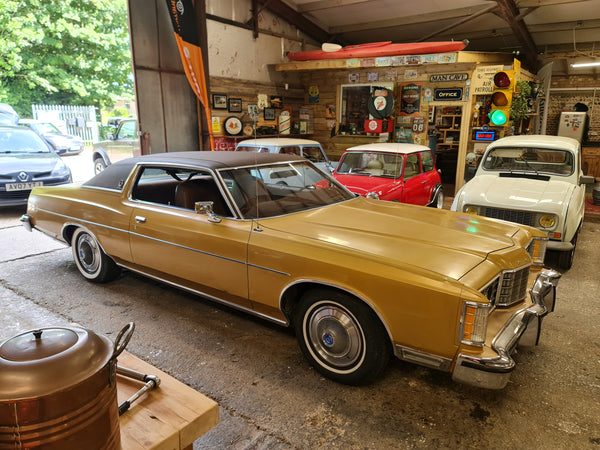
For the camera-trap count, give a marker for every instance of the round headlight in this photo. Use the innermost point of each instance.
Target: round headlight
(373, 195)
(546, 221)
(471, 209)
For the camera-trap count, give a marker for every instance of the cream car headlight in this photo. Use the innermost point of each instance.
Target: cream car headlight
(546, 221)
(471, 209)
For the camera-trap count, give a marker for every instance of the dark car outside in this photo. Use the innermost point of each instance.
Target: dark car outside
(26, 161)
(61, 143)
(124, 143)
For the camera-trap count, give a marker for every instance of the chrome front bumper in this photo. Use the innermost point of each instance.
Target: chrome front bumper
(523, 328)
(26, 222)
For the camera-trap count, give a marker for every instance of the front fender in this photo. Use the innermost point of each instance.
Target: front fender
(99, 152)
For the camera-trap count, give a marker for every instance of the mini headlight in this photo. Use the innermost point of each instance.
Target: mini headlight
(546, 221)
(471, 210)
(373, 195)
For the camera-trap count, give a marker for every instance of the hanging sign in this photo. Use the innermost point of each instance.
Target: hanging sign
(439, 77)
(410, 98)
(447, 94)
(418, 125)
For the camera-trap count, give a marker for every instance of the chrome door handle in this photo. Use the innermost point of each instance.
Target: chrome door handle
(140, 219)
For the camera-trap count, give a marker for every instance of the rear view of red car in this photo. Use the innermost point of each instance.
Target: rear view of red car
(389, 171)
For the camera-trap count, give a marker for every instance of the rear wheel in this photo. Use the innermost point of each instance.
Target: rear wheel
(341, 336)
(91, 260)
(438, 200)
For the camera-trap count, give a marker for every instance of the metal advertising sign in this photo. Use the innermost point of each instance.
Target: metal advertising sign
(447, 94)
(438, 77)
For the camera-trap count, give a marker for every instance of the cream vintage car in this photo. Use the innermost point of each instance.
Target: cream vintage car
(359, 279)
(533, 180)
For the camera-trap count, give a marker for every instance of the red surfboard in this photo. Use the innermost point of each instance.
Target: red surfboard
(376, 49)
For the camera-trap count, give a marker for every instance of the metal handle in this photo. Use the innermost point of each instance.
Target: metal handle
(140, 219)
(152, 382)
(123, 339)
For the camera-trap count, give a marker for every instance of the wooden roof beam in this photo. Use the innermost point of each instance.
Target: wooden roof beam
(509, 12)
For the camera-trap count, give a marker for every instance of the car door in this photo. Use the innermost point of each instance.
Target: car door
(126, 142)
(414, 181)
(186, 248)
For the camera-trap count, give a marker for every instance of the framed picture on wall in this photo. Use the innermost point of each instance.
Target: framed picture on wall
(269, 113)
(234, 105)
(219, 101)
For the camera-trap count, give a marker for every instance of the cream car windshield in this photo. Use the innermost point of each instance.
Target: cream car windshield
(530, 159)
(282, 188)
(385, 165)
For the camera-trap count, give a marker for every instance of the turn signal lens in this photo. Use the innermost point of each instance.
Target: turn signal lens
(474, 323)
(471, 210)
(537, 251)
(547, 221)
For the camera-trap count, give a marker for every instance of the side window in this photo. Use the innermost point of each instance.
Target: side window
(426, 161)
(313, 154)
(412, 166)
(128, 130)
(291, 150)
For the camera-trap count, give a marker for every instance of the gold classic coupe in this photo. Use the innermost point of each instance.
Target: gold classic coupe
(359, 279)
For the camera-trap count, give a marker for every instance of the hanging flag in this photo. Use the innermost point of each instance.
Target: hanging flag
(183, 18)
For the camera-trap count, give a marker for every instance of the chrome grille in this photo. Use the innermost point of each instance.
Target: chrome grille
(509, 288)
(522, 217)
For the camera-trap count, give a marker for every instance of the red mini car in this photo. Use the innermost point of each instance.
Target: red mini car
(399, 172)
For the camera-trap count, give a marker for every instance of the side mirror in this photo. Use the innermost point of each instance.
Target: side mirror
(586, 179)
(110, 136)
(207, 208)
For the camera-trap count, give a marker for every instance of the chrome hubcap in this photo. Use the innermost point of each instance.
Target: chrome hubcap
(89, 253)
(335, 336)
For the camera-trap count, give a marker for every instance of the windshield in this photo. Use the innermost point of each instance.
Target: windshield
(386, 165)
(530, 159)
(21, 141)
(46, 128)
(282, 188)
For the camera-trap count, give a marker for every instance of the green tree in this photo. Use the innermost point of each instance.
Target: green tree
(64, 52)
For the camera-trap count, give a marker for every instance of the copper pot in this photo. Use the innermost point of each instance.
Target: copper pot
(58, 389)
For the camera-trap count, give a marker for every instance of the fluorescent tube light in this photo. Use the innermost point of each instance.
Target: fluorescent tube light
(587, 64)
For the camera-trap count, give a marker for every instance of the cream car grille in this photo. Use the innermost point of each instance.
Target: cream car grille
(522, 217)
(508, 288)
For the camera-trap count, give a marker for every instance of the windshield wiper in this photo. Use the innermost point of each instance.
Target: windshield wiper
(530, 166)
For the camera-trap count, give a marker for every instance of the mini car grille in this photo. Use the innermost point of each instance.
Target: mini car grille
(508, 288)
(522, 217)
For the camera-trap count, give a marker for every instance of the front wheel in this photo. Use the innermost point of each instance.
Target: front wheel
(91, 260)
(99, 165)
(565, 259)
(341, 336)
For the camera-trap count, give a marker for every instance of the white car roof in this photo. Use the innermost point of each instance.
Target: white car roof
(277, 142)
(538, 140)
(389, 147)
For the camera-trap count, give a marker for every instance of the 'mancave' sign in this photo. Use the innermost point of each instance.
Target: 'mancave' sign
(448, 77)
(447, 94)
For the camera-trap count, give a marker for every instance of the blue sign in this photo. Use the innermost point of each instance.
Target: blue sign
(447, 94)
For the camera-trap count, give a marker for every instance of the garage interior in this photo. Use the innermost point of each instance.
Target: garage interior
(268, 397)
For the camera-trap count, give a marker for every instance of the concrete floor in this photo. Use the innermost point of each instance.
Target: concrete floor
(269, 396)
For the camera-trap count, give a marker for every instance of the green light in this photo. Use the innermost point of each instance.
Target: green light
(472, 229)
(497, 117)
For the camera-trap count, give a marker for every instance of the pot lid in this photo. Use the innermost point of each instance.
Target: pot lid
(44, 361)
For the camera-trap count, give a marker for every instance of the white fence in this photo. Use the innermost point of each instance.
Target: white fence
(76, 120)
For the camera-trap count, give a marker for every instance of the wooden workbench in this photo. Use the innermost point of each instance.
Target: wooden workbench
(171, 416)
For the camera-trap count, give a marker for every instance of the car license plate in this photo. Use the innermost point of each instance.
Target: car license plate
(23, 186)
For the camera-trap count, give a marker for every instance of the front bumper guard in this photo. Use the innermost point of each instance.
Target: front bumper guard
(523, 329)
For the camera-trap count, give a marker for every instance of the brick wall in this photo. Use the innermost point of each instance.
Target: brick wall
(565, 101)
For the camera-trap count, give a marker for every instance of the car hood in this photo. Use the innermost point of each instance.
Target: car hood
(62, 139)
(363, 184)
(27, 162)
(400, 235)
(517, 193)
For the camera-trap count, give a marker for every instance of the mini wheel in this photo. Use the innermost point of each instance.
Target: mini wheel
(438, 201)
(341, 336)
(91, 260)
